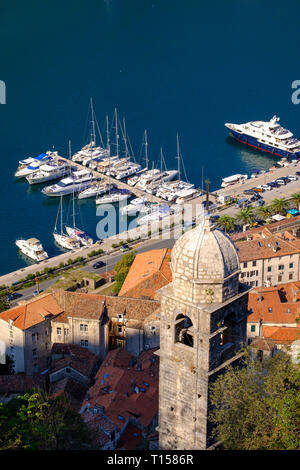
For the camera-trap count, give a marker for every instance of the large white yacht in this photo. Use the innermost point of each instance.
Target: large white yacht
(157, 213)
(267, 136)
(32, 248)
(26, 169)
(137, 205)
(78, 181)
(49, 171)
(234, 179)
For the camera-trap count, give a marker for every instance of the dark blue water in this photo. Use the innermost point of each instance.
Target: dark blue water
(168, 66)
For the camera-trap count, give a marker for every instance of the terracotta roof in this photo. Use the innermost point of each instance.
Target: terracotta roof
(127, 390)
(74, 356)
(32, 313)
(280, 304)
(92, 306)
(149, 272)
(265, 344)
(130, 438)
(266, 245)
(20, 383)
(282, 335)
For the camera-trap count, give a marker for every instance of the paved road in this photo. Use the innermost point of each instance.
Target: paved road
(109, 260)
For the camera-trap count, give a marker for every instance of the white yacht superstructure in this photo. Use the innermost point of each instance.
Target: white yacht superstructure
(78, 181)
(32, 248)
(49, 171)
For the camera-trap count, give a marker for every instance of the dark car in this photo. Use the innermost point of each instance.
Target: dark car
(13, 296)
(98, 264)
(124, 247)
(298, 173)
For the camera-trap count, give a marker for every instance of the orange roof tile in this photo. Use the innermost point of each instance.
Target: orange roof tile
(149, 272)
(32, 313)
(283, 334)
(266, 246)
(279, 304)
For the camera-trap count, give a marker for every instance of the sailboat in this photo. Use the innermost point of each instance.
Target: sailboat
(82, 237)
(62, 239)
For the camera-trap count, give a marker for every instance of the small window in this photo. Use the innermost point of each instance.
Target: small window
(252, 328)
(290, 276)
(253, 263)
(58, 331)
(280, 267)
(245, 265)
(288, 310)
(269, 269)
(270, 309)
(279, 278)
(291, 265)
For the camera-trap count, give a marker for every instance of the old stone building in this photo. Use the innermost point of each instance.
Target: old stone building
(203, 323)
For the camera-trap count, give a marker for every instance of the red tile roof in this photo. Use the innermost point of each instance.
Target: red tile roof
(281, 335)
(21, 383)
(273, 227)
(74, 391)
(283, 300)
(127, 389)
(32, 313)
(149, 272)
(74, 356)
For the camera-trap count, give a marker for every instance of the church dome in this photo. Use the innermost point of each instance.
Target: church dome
(204, 256)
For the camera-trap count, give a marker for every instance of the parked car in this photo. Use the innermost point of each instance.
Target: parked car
(98, 264)
(259, 203)
(124, 247)
(298, 173)
(36, 292)
(13, 296)
(281, 181)
(266, 187)
(292, 177)
(259, 190)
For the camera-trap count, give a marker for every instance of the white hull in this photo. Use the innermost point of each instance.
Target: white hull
(37, 177)
(92, 192)
(66, 242)
(36, 255)
(110, 199)
(75, 233)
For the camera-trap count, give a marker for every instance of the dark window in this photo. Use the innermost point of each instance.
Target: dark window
(291, 265)
(269, 269)
(183, 335)
(279, 278)
(245, 265)
(281, 267)
(291, 276)
(270, 309)
(252, 328)
(253, 263)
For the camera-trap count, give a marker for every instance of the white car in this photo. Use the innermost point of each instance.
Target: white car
(266, 187)
(292, 177)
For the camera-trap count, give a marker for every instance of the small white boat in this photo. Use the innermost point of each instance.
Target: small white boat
(234, 179)
(32, 248)
(157, 213)
(62, 239)
(137, 205)
(114, 196)
(94, 190)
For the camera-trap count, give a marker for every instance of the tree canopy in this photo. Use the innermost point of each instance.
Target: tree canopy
(256, 407)
(34, 422)
(122, 268)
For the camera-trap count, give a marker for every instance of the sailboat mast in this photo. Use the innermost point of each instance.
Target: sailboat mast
(125, 138)
(117, 135)
(146, 148)
(93, 137)
(178, 157)
(107, 135)
(61, 218)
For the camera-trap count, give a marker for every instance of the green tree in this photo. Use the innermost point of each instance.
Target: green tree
(246, 216)
(4, 303)
(226, 223)
(264, 212)
(279, 205)
(256, 407)
(296, 199)
(35, 422)
(122, 267)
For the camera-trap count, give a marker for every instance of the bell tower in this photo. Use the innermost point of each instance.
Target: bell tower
(202, 326)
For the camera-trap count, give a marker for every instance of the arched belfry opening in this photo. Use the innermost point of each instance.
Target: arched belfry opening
(183, 330)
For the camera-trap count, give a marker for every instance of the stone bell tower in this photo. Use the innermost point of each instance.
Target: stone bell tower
(203, 324)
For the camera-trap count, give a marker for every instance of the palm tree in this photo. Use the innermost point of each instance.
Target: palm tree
(279, 205)
(246, 215)
(264, 212)
(226, 223)
(296, 199)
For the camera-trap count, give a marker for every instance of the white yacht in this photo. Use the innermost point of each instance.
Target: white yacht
(150, 184)
(83, 238)
(134, 179)
(32, 248)
(78, 181)
(234, 179)
(96, 189)
(157, 213)
(113, 196)
(132, 169)
(137, 205)
(49, 171)
(186, 194)
(62, 239)
(267, 136)
(25, 170)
